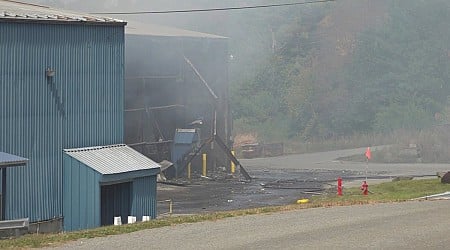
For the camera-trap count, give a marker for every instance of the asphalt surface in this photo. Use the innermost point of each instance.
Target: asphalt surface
(327, 160)
(282, 180)
(408, 225)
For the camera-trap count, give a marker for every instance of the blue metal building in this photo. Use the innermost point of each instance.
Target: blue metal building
(61, 87)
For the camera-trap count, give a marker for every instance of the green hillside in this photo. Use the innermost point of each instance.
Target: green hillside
(350, 67)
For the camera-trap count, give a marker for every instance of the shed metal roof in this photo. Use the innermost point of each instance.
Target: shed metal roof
(113, 159)
(9, 160)
(147, 29)
(19, 11)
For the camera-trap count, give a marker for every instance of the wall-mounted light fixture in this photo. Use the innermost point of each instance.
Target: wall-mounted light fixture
(49, 72)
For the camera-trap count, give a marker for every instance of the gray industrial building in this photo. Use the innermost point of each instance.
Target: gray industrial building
(176, 80)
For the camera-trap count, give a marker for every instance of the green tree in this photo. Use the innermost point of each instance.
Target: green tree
(400, 73)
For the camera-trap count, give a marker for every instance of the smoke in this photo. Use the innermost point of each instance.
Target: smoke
(216, 22)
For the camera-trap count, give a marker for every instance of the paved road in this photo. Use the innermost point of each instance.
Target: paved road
(327, 160)
(409, 225)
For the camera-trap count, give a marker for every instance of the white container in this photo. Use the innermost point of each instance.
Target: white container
(131, 219)
(117, 221)
(145, 218)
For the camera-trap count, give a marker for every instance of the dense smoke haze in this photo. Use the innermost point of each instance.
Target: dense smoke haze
(184, 20)
(321, 70)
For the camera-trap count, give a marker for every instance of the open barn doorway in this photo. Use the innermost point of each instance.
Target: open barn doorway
(115, 201)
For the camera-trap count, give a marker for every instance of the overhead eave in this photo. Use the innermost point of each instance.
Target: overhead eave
(150, 29)
(43, 21)
(9, 160)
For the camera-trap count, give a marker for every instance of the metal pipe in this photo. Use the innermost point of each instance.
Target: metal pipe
(170, 206)
(189, 171)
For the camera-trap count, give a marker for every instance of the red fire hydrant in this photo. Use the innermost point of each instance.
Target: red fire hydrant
(365, 188)
(339, 186)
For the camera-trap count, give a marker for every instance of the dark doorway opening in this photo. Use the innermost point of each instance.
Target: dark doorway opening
(115, 201)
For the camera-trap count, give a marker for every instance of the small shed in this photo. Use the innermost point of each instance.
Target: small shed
(104, 182)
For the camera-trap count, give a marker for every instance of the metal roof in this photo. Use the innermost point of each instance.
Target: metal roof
(147, 29)
(9, 160)
(113, 159)
(19, 11)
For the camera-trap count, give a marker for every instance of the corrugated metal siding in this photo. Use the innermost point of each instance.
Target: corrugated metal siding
(185, 136)
(182, 144)
(178, 151)
(144, 197)
(81, 196)
(82, 106)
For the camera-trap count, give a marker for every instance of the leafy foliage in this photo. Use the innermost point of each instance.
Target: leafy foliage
(401, 70)
(398, 76)
(282, 87)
